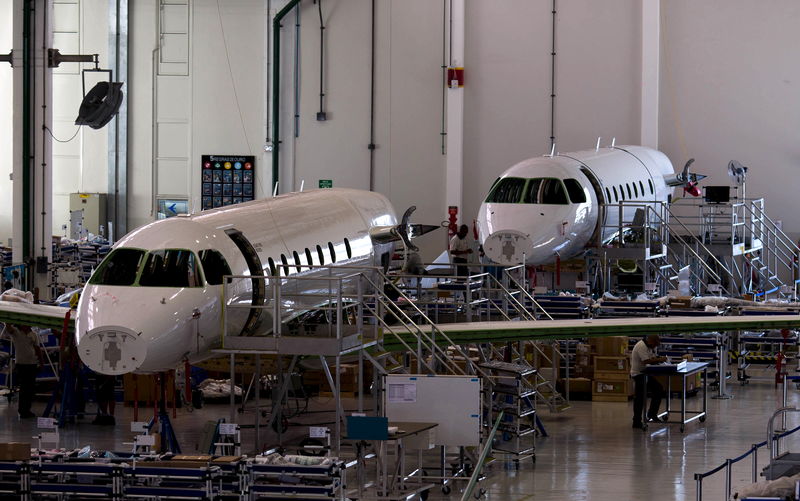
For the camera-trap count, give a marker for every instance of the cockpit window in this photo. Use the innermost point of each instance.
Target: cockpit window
(540, 190)
(532, 191)
(507, 191)
(553, 192)
(546, 190)
(214, 266)
(575, 190)
(170, 268)
(119, 268)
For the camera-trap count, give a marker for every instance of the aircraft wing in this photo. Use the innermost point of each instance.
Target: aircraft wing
(36, 315)
(500, 332)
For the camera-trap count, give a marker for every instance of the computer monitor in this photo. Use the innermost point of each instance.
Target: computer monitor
(717, 194)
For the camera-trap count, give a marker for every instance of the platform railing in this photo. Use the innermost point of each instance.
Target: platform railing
(773, 440)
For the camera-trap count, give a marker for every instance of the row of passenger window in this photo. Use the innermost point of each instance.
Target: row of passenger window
(540, 190)
(284, 266)
(631, 189)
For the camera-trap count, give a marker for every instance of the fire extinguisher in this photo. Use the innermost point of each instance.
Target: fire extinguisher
(452, 227)
(779, 368)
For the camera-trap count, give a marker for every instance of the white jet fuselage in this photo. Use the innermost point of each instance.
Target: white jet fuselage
(156, 300)
(548, 207)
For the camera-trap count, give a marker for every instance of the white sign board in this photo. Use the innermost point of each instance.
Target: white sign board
(139, 426)
(713, 287)
(317, 431)
(149, 440)
(228, 428)
(49, 437)
(401, 393)
(46, 423)
(453, 402)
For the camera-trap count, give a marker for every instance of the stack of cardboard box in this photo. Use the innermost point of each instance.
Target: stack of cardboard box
(611, 379)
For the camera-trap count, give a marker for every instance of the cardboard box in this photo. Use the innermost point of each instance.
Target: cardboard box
(578, 385)
(15, 451)
(619, 363)
(612, 391)
(146, 388)
(692, 382)
(609, 346)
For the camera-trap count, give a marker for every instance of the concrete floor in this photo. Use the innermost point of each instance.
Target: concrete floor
(591, 454)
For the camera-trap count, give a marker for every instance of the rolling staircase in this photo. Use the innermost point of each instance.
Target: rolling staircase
(729, 248)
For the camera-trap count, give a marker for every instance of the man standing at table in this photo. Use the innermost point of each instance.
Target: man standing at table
(644, 354)
(27, 359)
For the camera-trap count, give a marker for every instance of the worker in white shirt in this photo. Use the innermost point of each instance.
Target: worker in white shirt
(459, 250)
(644, 354)
(27, 359)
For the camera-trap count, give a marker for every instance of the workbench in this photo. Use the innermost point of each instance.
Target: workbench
(685, 370)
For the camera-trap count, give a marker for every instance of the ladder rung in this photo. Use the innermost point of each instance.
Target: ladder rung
(665, 267)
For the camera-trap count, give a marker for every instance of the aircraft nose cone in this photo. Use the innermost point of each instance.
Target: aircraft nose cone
(508, 247)
(112, 350)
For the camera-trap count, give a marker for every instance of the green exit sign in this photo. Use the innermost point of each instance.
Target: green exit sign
(326, 183)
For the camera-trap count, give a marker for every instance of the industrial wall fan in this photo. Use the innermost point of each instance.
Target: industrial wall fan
(101, 103)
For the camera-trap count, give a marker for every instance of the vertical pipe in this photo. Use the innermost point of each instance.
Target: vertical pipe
(553, 81)
(27, 67)
(321, 61)
(276, 90)
(279, 404)
(339, 413)
(267, 79)
(258, 403)
(443, 133)
(232, 386)
(371, 145)
(296, 75)
(360, 328)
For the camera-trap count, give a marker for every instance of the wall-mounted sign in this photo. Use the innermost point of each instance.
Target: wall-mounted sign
(227, 180)
(326, 183)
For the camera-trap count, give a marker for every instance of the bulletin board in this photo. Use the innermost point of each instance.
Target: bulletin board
(227, 180)
(454, 402)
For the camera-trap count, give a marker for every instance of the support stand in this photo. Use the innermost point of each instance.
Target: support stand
(722, 354)
(168, 439)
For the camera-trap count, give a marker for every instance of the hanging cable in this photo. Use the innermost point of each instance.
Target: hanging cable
(321, 114)
(78, 129)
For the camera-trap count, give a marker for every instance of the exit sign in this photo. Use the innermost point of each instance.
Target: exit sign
(326, 183)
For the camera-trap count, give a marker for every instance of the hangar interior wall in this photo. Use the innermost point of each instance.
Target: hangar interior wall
(729, 90)
(6, 122)
(199, 78)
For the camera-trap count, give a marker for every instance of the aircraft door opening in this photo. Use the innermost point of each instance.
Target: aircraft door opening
(602, 203)
(258, 285)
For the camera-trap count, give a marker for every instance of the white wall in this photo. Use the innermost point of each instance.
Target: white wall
(6, 121)
(80, 165)
(80, 27)
(198, 113)
(508, 73)
(728, 83)
(729, 90)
